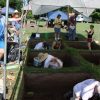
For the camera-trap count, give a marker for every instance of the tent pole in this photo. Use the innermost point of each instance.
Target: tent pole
(68, 11)
(5, 50)
(20, 35)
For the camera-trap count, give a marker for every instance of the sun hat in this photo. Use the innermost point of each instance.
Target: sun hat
(42, 56)
(16, 11)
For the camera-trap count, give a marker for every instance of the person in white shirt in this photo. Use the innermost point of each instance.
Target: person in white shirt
(86, 89)
(50, 61)
(41, 46)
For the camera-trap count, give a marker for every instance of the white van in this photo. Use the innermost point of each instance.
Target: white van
(82, 18)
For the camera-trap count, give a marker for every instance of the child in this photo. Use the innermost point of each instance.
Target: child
(89, 36)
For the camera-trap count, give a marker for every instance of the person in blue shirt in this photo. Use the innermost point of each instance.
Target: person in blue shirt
(16, 25)
(2, 28)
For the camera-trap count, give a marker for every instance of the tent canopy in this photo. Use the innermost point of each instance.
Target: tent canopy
(44, 6)
(86, 7)
(11, 10)
(53, 15)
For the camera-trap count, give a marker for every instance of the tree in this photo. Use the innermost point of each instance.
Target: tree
(17, 4)
(2, 3)
(96, 15)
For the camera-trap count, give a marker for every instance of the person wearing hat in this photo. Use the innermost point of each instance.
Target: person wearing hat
(16, 25)
(57, 26)
(50, 61)
(2, 28)
(86, 89)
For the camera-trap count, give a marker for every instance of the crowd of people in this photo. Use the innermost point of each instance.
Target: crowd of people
(13, 31)
(81, 91)
(70, 26)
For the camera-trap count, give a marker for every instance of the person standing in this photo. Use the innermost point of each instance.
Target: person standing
(57, 27)
(89, 36)
(16, 23)
(72, 27)
(2, 28)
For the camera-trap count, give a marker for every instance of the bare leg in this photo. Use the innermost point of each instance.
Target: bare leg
(89, 46)
(56, 36)
(1, 53)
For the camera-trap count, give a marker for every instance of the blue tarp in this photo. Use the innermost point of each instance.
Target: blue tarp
(11, 10)
(53, 15)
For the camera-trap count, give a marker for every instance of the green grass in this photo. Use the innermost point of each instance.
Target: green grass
(85, 26)
(80, 29)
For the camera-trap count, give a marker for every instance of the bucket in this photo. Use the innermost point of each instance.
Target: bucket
(36, 62)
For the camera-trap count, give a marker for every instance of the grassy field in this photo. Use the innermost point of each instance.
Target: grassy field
(84, 26)
(80, 30)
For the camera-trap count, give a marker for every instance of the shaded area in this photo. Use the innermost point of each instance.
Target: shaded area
(68, 59)
(50, 86)
(93, 56)
(82, 45)
(79, 43)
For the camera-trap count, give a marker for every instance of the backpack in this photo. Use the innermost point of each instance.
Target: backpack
(13, 53)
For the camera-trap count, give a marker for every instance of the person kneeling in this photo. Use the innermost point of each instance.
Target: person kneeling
(50, 61)
(57, 45)
(86, 89)
(41, 46)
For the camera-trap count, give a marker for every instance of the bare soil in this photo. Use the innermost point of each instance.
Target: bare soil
(68, 60)
(82, 45)
(50, 86)
(92, 57)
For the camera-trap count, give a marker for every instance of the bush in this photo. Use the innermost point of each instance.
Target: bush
(29, 15)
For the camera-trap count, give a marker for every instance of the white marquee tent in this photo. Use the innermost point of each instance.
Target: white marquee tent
(86, 7)
(43, 6)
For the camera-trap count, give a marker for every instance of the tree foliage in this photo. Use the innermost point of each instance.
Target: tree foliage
(96, 15)
(16, 4)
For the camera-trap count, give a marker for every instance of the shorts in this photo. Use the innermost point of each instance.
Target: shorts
(1, 44)
(57, 30)
(89, 40)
